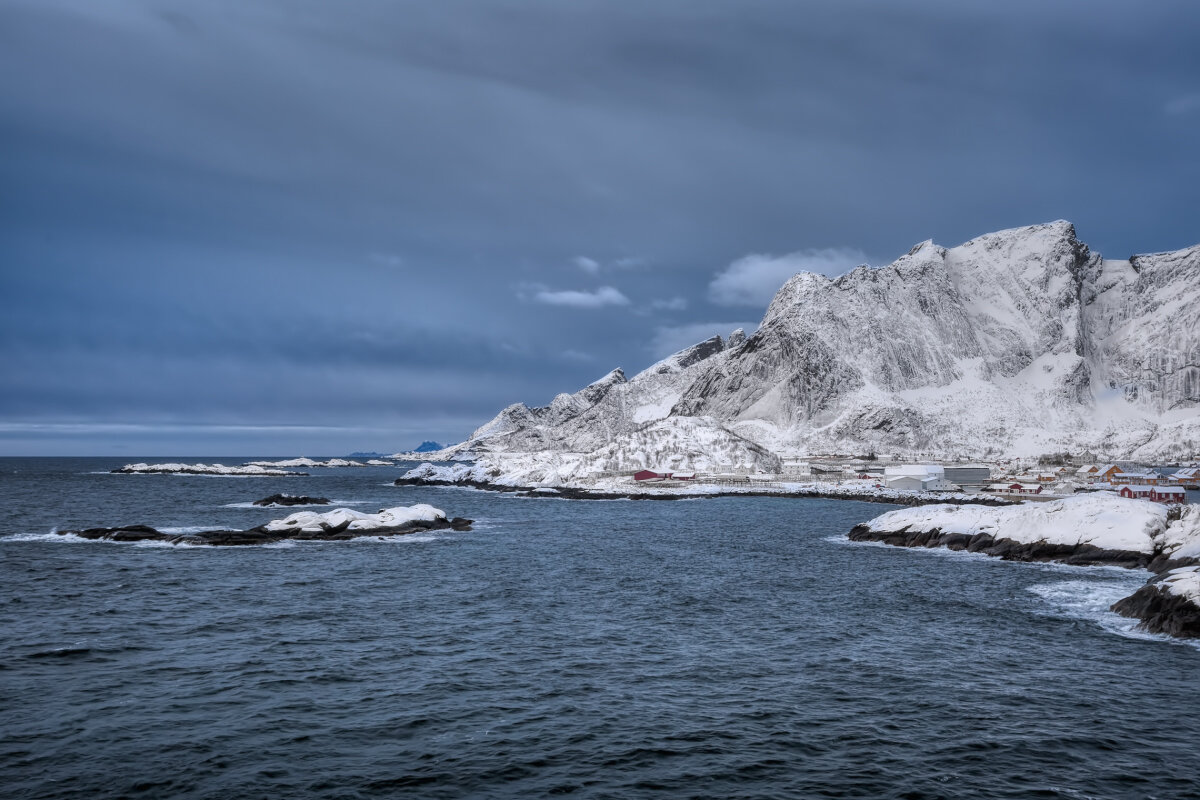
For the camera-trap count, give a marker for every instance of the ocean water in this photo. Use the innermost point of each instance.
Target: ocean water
(710, 648)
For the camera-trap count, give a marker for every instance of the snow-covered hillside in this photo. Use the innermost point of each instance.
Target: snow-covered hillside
(1017, 343)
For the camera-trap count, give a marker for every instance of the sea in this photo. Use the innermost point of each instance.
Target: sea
(717, 648)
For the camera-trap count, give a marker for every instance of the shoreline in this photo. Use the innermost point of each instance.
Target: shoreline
(1117, 534)
(579, 493)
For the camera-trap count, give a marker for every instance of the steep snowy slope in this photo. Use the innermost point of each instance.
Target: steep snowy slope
(1018, 342)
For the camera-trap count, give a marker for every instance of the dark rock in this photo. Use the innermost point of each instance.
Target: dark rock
(1161, 612)
(1006, 549)
(128, 533)
(259, 535)
(292, 500)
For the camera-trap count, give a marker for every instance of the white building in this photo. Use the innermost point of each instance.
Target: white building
(918, 478)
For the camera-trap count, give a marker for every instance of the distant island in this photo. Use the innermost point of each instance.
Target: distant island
(427, 447)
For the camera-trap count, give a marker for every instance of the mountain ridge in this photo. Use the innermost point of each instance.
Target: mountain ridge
(1015, 343)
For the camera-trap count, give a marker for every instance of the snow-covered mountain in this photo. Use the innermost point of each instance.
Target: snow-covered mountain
(1016, 343)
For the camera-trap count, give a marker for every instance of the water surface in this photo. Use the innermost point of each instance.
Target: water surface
(709, 648)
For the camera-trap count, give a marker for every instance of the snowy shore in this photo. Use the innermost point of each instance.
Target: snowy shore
(476, 476)
(341, 524)
(1084, 530)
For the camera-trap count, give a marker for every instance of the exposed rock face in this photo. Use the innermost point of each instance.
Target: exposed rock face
(1007, 549)
(1162, 610)
(1016, 343)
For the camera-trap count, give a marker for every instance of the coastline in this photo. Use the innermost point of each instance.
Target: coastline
(888, 496)
(1080, 531)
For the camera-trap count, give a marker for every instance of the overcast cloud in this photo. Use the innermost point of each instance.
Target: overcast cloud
(302, 226)
(754, 279)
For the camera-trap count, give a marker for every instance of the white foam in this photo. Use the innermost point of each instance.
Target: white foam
(44, 537)
(1090, 600)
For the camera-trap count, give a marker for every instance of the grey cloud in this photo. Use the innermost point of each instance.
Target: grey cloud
(572, 298)
(754, 279)
(588, 265)
(254, 190)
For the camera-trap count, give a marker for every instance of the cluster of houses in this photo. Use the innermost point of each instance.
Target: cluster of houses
(1041, 482)
(1127, 481)
(1189, 477)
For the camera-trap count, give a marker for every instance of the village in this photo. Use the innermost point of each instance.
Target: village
(1015, 480)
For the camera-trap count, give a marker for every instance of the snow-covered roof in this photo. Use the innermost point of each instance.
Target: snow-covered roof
(915, 470)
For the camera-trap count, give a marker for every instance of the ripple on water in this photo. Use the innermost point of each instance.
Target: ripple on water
(623, 649)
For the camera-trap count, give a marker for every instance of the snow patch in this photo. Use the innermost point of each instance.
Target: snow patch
(313, 521)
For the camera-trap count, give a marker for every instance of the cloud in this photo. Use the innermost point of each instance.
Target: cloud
(754, 279)
(604, 296)
(1183, 105)
(671, 339)
(674, 304)
(588, 265)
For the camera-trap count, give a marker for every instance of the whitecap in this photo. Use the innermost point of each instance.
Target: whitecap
(1090, 600)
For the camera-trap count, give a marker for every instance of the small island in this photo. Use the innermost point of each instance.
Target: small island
(292, 500)
(341, 524)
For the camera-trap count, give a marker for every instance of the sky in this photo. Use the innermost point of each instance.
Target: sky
(301, 227)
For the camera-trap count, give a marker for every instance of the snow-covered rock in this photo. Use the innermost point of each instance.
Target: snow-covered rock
(348, 519)
(456, 473)
(338, 525)
(1100, 521)
(307, 462)
(1014, 344)
(1169, 604)
(1089, 529)
(1181, 541)
(202, 469)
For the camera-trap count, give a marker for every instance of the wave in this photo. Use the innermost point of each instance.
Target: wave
(1090, 600)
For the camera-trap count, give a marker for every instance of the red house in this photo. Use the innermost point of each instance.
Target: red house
(650, 475)
(1159, 494)
(1169, 494)
(1137, 492)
